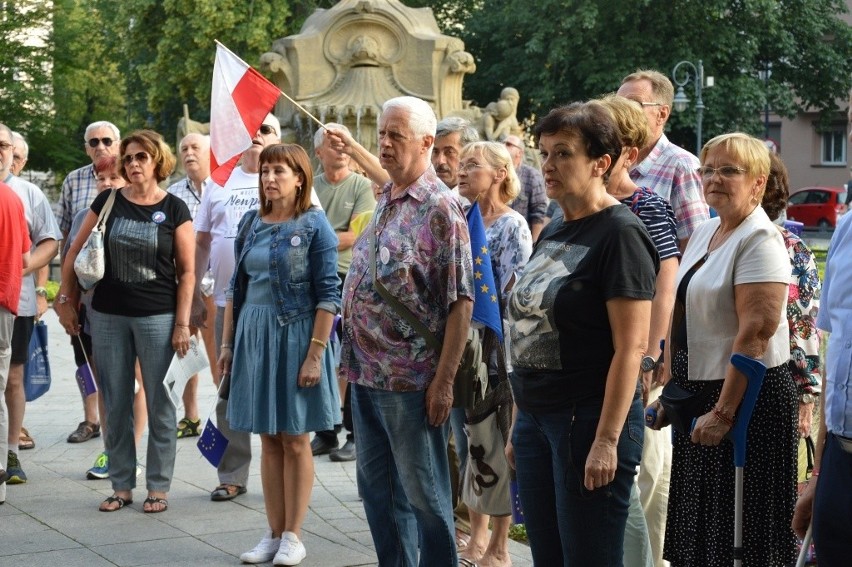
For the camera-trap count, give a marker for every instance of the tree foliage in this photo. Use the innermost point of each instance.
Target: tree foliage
(555, 52)
(25, 88)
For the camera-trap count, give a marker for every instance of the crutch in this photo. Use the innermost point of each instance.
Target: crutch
(754, 371)
(806, 543)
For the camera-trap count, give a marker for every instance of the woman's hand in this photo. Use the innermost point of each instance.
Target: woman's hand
(662, 374)
(600, 464)
(509, 450)
(180, 340)
(806, 418)
(804, 509)
(660, 420)
(226, 356)
(311, 371)
(67, 317)
(709, 430)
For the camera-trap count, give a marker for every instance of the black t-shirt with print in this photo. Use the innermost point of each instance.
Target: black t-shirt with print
(140, 275)
(561, 337)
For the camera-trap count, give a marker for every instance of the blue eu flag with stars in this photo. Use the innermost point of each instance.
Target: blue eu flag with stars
(212, 444)
(486, 305)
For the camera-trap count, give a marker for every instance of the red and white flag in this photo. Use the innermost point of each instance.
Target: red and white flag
(240, 100)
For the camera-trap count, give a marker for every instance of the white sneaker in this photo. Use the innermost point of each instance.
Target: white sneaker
(291, 552)
(264, 551)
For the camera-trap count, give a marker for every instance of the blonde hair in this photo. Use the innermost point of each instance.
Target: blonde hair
(631, 121)
(497, 156)
(751, 153)
(661, 86)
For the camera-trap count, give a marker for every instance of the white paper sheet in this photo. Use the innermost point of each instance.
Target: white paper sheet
(182, 369)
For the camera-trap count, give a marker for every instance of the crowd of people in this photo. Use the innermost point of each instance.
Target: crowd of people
(619, 292)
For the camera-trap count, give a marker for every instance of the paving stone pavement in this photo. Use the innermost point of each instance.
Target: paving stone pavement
(53, 518)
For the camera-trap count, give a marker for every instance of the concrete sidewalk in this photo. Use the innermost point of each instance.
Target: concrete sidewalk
(53, 518)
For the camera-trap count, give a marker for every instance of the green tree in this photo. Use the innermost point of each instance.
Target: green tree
(557, 51)
(25, 88)
(87, 84)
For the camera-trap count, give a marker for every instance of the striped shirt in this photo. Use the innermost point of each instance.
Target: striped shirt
(657, 216)
(670, 172)
(78, 191)
(188, 194)
(532, 200)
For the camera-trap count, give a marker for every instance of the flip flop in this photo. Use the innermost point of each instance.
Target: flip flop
(462, 540)
(154, 500)
(122, 502)
(466, 562)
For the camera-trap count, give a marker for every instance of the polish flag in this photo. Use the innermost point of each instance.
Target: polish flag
(240, 100)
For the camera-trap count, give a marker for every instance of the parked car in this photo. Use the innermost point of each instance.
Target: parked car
(819, 207)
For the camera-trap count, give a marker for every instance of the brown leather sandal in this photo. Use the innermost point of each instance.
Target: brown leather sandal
(85, 431)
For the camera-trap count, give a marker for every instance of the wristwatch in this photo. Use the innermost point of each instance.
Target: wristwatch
(807, 398)
(41, 292)
(648, 363)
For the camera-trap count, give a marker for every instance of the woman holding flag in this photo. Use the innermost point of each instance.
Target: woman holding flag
(579, 318)
(487, 179)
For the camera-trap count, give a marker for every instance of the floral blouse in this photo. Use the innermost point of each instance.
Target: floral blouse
(802, 307)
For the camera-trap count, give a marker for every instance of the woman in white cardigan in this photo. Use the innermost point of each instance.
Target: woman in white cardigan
(731, 297)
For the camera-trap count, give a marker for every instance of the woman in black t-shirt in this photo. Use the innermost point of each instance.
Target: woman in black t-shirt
(139, 309)
(579, 318)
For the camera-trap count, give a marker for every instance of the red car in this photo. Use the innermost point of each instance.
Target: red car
(819, 207)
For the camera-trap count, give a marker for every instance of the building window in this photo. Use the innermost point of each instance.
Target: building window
(833, 149)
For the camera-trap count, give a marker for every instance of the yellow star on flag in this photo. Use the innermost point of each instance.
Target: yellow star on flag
(484, 250)
(478, 261)
(478, 275)
(484, 288)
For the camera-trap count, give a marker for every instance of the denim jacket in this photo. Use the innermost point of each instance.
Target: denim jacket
(302, 265)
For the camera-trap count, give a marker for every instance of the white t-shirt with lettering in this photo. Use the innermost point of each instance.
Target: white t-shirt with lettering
(219, 214)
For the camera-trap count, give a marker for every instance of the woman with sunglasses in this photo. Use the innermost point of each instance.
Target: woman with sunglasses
(730, 297)
(139, 309)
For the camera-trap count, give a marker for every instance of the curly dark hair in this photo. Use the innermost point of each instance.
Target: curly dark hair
(777, 188)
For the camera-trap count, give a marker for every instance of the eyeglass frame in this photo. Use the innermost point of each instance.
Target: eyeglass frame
(464, 167)
(725, 172)
(107, 142)
(271, 129)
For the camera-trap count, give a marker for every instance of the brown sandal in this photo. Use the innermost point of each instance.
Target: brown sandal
(226, 492)
(151, 500)
(25, 441)
(85, 431)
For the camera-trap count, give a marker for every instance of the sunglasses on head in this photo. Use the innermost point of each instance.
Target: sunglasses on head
(266, 129)
(95, 142)
(141, 157)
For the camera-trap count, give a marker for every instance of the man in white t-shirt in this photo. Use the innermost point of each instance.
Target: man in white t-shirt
(216, 225)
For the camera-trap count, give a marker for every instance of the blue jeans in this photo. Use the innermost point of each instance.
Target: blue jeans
(117, 341)
(404, 479)
(832, 517)
(567, 524)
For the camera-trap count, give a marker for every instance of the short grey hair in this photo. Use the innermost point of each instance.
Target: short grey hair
(204, 137)
(7, 129)
(452, 124)
(320, 133)
(16, 137)
(421, 117)
(101, 124)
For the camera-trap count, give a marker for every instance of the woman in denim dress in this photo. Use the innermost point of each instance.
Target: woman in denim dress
(278, 319)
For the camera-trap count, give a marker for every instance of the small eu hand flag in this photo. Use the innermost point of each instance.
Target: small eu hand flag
(85, 380)
(486, 305)
(212, 444)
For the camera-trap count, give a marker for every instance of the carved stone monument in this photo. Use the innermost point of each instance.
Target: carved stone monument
(348, 60)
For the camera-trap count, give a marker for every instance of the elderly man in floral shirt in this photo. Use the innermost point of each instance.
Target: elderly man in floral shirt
(402, 390)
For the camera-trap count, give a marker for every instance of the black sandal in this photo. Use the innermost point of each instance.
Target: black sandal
(122, 502)
(155, 500)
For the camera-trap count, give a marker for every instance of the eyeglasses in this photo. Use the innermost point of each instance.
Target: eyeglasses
(95, 142)
(725, 172)
(469, 167)
(266, 129)
(141, 157)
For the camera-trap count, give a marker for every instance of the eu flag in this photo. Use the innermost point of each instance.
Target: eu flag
(85, 380)
(486, 305)
(212, 444)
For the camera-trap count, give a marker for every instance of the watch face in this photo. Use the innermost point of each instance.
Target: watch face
(648, 363)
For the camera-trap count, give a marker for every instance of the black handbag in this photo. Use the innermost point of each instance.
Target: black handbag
(682, 406)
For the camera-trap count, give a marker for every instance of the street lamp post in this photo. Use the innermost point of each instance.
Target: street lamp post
(764, 75)
(681, 100)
